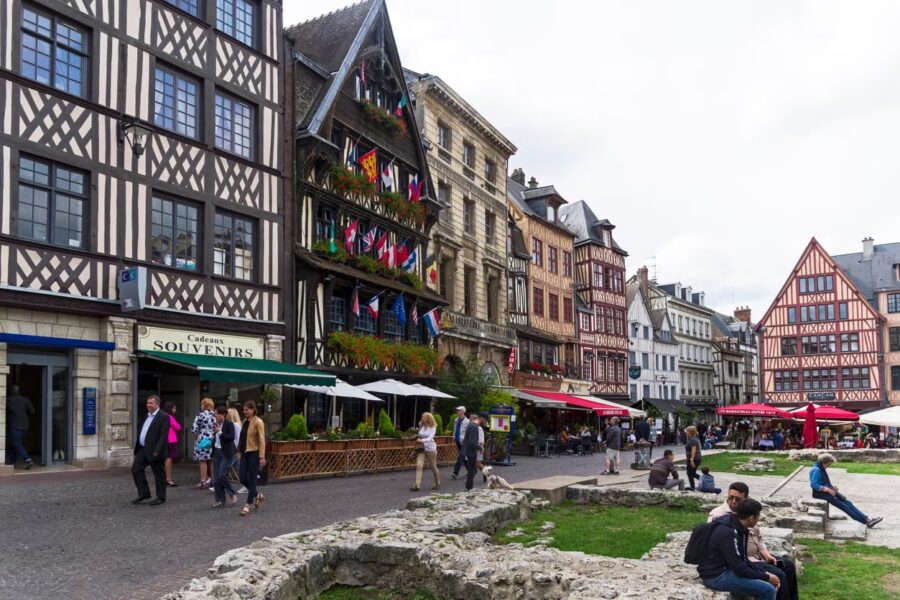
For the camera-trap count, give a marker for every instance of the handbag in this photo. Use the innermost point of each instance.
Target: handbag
(204, 443)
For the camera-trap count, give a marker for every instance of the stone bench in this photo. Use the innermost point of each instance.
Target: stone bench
(553, 489)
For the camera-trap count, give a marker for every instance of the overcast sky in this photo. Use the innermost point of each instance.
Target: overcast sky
(718, 136)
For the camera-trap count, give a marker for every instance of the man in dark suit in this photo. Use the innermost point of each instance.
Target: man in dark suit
(470, 445)
(151, 449)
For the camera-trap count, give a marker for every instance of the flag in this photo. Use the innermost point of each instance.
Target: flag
(402, 254)
(369, 164)
(409, 264)
(400, 310)
(415, 189)
(362, 71)
(351, 154)
(400, 106)
(368, 240)
(372, 307)
(387, 180)
(389, 257)
(432, 322)
(431, 269)
(331, 246)
(381, 246)
(356, 302)
(414, 315)
(350, 235)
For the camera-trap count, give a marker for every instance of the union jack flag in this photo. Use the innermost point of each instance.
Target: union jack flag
(368, 240)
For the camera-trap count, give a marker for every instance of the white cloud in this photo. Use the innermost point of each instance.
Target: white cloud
(719, 136)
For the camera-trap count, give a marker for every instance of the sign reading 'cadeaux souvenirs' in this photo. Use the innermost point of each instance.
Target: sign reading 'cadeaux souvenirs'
(204, 343)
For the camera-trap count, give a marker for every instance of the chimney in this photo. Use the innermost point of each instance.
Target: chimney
(868, 248)
(645, 287)
(742, 313)
(518, 175)
(532, 183)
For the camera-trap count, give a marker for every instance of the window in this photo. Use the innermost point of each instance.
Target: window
(646, 332)
(551, 213)
(490, 220)
(679, 322)
(788, 346)
(552, 261)
(787, 381)
(586, 368)
(819, 379)
(365, 322)
(585, 322)
(895, 378)
(598, 275)
(567, 263)
(632, 358)
(600, 319)
(850, 342)
(337, 314)
(842, 310)
(445, 136)
(855, 378)
(392, 328)
(52, 203)
(822, 344)
(189, 6)
(553, 305)
(175, 102)
(233, 246)
(645, 360)
(54, 53)
(537, 252)
(820, 284)
(538, 301)
(617, 282)
(633, 393)
(325, 216)
(469, 155)
(235, 18)
(469, 291)
(791, 315)
(646, 390)
(174, 233)
(567, 310)
(490, 171)
(893, 303)
(446, 214)
(234, 126)
(469, 216)
(894, 339)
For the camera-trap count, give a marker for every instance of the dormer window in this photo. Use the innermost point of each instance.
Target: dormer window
(551, 213)
(607, 238)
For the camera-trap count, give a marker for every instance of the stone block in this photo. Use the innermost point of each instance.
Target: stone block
(68, 319)
(61, 331)
(44, 329)
(9, 326)
(121, 372)
(120, 418)
(117, 386)
(801, 523)
(120, 402)
(848, 530)
(27, 328)
(121, 357)
(19, 314)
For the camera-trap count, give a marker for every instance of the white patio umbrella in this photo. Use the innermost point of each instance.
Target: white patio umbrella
(392, 387)
(428, 392)
(886, 417)
(340, 389)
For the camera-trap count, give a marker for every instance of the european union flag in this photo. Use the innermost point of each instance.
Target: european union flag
(400, 310)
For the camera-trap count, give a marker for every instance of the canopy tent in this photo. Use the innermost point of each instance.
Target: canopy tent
(428, 392)
(340, 389)
(242, 370)
(885, 417)
(824, 413)
(754, 410)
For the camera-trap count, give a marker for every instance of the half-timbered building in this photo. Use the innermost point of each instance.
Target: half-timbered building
(141, 135)
(546, 338)
(468, 159)
(735, 358)
(364, 206)
(600, 282)
(821, 340)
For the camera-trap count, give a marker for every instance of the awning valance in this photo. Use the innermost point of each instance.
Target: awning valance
(663, 404)
(596, 405)
(242, 370)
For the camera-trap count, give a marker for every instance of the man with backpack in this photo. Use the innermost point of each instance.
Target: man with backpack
(719, 549)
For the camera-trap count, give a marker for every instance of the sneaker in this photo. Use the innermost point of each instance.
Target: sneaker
(28, 464)
(414, 488)
(453, 475)
(873, 521)
(436, 486)
(243, 490)
(604, 473)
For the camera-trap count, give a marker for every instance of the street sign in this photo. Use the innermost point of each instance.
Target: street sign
(634, 371)
(89, 411)
(132, 288)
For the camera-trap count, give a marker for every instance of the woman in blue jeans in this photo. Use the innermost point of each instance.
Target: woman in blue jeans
(823, 489)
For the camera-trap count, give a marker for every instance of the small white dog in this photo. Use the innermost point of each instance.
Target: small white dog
(495, 482)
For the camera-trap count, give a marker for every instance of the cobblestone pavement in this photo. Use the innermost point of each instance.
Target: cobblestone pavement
(75, 535)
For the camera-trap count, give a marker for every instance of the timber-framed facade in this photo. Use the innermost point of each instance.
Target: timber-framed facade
(197, 202)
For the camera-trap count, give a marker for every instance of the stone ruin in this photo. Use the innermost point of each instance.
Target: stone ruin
(757, 465)
(443, 544)
(872, 455)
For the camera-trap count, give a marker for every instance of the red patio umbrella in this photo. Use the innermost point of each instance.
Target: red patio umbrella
(754, 410)
(826, 413)
(810, 434)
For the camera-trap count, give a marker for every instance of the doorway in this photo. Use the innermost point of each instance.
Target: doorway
(44, 379)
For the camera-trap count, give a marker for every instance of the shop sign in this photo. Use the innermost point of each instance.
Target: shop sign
(511, 366)
(814, 396)
(530, 381)
(634, 371)
(203, 343)
(132, 288)
(89, 411)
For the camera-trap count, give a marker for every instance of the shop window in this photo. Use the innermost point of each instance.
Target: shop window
(234, 246)
(52, 203)
(174, 233)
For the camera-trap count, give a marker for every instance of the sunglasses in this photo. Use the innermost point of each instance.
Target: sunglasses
(734, 498)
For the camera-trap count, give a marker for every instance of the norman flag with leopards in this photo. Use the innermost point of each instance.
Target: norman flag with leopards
(369, 164)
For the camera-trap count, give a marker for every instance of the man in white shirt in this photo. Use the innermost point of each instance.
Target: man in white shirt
(151, 449)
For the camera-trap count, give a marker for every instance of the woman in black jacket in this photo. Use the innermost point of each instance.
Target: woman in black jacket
(223, 456)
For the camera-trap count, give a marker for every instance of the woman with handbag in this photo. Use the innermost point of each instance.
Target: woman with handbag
(426, 451)
(204, 428)
(252, 450)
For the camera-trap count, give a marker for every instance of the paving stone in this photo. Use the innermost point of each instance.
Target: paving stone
(850, 530)
(801, 523)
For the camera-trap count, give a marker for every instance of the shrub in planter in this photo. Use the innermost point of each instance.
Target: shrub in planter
(413, 279)
(439, 420)
(295, 430)
(323, 248)
(385, 425)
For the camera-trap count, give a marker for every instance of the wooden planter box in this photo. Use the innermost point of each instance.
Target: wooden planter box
(522, 449)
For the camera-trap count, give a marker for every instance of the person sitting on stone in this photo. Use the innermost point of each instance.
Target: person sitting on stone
(757, 551)
(823, 489)
(726, 567)
(660, 471)
(707, 482)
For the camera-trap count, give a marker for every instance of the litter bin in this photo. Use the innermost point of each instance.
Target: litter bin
(641, 455)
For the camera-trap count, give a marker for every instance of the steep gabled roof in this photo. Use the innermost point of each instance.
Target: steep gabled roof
(327, 39)
(871, 275)
(515, 191)
(581, 220)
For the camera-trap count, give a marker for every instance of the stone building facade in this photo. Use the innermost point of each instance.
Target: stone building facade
(735, 358)
(468, 159)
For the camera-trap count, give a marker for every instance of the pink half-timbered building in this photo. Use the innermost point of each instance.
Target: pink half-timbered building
(820, 339)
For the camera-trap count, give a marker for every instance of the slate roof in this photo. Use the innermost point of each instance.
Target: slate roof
(519, 248)
(581, 220)
(875, 274)
(581, 305)
(515, 191)
(327, 38)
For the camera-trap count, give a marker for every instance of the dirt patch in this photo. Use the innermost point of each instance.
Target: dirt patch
(891, 583)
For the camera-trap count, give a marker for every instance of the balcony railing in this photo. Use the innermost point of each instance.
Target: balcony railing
(472, 327)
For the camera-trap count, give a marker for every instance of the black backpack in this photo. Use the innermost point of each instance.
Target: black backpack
(698, 546)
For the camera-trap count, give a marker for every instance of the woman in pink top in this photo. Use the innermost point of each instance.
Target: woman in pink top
(174, 428)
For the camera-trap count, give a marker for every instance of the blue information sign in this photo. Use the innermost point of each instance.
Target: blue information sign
(89, 411)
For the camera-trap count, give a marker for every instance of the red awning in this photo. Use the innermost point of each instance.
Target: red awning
(598, 406)
(754, 410)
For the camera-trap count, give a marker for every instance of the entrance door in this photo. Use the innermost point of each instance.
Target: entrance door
(44, 379)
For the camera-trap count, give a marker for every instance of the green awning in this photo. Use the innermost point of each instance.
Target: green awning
(242, 370)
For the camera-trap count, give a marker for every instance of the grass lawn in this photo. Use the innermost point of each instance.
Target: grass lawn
(850, 570)
(343, 592)
(726, 461)
(609, 531)
(869, 468)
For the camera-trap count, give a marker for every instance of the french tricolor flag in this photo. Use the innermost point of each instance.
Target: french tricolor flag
(432, 322)
(372, 307)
